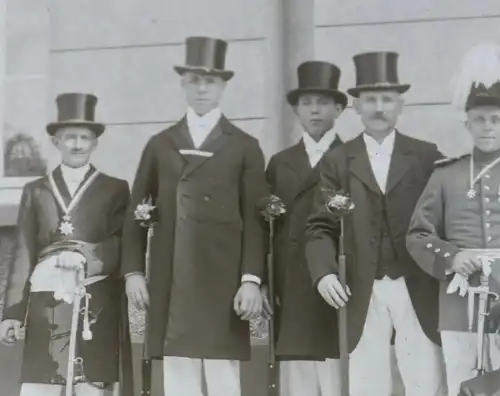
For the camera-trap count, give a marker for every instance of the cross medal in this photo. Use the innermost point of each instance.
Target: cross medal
(66, 227)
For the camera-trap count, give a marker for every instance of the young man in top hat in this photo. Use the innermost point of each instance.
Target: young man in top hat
(205, 177)
(70, 220)
(384, 172)
(292, 175)
(457, 219)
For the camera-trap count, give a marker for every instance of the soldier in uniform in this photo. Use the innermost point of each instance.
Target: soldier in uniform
(205, 177)
(72, 217)
(384, 172)
(458, 215)
(292, 175)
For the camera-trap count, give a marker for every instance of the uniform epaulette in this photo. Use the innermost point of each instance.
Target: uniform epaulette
(448, 161)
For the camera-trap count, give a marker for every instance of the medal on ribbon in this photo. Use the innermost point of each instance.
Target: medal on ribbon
(66, 226)
(472, 193)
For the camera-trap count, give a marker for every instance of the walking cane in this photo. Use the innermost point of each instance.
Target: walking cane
(272, 207)
(341, 205)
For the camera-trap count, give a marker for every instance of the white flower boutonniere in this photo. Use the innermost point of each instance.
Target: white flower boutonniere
(144, 213)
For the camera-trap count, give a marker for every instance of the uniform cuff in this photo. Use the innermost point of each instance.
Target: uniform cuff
(133, 273)
(251, 278)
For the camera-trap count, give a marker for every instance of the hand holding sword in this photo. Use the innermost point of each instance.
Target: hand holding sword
(271, 207)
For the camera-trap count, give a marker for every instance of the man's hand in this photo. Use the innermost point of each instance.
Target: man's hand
(137, 291)
(466, 263)
(248, 301)
(332, 292)
(267, 311)
(10, 331)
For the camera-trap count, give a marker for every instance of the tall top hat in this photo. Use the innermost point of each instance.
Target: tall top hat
(477, 81)
(206, 55)
(377, 71)
(76, 109)
(318, 77)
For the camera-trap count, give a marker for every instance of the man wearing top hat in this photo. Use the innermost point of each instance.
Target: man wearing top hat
(384, 172)
(292, 175)
(457, 221)
(205, 177)
(70, 220)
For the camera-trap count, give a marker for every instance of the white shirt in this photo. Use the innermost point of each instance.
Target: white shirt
(73, 177)
(200, 127)
(380, 157)
(315, 150)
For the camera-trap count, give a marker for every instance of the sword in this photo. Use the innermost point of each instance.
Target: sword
(343, 337)
(147, 368)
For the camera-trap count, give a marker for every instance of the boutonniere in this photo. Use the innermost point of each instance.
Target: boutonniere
(144, 213)
(272, 207)
(338, 202)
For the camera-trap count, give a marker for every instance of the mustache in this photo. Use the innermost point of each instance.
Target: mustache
(380, 115)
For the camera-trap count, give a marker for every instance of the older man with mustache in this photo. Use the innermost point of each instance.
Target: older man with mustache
(384, 172)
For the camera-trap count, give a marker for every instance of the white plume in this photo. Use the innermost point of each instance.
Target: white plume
(481, 64)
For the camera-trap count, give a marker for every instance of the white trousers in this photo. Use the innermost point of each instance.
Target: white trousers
(310, 378)
(184, 377)
(419, 360)
(59, 390)
(460, 356)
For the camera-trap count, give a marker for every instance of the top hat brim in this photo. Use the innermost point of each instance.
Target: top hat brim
(401, 88)
(226, 75)
(338, 96)
(96, 127)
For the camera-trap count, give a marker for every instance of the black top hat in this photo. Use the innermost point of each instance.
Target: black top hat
(377, 71)
(480, 95)
(206, 55)
(76, 109)
(319, 77)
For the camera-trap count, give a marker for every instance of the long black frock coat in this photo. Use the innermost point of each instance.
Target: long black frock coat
(207, 236)
(306, 324)
(348, 168)
(98, 220)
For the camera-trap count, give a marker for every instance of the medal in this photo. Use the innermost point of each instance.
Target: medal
(66, 226)
(471, 194)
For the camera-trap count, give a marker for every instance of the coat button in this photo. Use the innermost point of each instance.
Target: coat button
(488, 212)
(206, 198)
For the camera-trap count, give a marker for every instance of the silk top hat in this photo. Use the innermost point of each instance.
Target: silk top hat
(318, 77)
(76, 109)
(377, 71)
(477, 80)
(206, 55)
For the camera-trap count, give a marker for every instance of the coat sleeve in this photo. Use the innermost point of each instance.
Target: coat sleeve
(425, 239)
(134, 238)
(323, 228)
(253, 188)
(24, 259)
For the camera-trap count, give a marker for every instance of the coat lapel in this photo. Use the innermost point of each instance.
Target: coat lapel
(214, 142)
(180, 136)
(401, 161)
(359, 164)
(90, 172)
(61, 185)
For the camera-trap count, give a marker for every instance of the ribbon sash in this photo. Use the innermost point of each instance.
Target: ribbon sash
(76, 198)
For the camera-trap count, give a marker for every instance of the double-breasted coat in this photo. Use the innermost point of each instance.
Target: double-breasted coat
(208, 234)
(97, 220)
(305, 323)
(348, 168)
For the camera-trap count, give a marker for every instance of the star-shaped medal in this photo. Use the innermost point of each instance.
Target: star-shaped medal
(471, 194)
(66, 227)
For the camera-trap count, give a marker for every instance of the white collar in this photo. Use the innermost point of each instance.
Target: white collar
(323, 144)
(387, 144)
(80, 172)
(208, 120)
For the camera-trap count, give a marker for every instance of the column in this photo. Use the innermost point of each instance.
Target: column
(290, 42)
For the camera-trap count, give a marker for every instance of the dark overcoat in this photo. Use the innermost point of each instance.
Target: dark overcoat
(306, 324)
(348, 168)
(485, 385)
(207, 236)
(98, 220)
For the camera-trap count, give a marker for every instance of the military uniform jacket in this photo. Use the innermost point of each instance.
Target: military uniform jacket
(348, 168)
(97, 219)
(306, 324)
(446, 221)
(208, 234)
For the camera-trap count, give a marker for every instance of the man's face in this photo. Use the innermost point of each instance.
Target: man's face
(379, 110)
(317, 113)
(203, 91)
(76, 144)
(483, 123)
